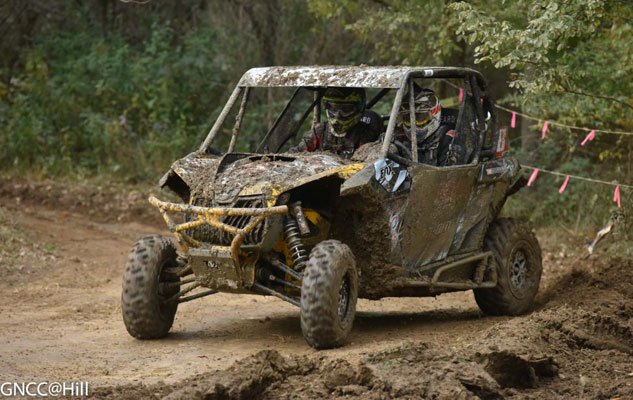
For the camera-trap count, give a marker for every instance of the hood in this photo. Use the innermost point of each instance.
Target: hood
(238, 174)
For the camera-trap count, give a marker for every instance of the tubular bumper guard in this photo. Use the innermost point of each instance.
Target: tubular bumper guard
(211, 216)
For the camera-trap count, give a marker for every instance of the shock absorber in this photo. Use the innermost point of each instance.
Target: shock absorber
(298, 252)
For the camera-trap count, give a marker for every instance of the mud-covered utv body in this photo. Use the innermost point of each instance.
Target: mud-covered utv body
(318, 229)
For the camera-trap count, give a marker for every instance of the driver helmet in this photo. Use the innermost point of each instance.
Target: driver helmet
(344, 108)
(428, 113)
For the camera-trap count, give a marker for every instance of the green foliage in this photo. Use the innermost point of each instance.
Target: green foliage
(569, 59)
(542, 35)
(409, 32)
(97, 105)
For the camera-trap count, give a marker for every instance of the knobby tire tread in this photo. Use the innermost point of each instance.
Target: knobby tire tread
(503, 234)
(329, 262)
(140, 300)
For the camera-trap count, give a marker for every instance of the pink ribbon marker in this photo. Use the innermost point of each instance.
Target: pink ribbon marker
(533, 177)
(590, 136)
(513, 121)
(564, 185)
(544, 130)
(616, 195)
(461, 95)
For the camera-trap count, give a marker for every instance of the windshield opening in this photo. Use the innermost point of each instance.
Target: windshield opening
(278, 119)
(274, 120)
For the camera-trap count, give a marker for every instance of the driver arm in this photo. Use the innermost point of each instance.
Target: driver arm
(311, 140)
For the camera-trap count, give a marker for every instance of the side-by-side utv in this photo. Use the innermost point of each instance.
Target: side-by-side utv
(317, 229)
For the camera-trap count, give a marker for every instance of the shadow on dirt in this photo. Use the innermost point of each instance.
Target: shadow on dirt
(368, 325)
(394, 319)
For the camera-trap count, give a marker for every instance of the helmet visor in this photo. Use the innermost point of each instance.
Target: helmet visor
(426, 101)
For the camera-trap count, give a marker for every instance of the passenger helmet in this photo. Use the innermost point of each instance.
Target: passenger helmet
(428, 113)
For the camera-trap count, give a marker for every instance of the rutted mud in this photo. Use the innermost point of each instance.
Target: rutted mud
(61, 321)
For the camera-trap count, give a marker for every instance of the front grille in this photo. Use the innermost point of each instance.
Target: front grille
(211, 235)
(257, 234)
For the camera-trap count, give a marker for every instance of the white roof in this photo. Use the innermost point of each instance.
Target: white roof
(342, 76)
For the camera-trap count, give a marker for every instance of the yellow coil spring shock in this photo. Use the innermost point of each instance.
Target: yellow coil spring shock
(298, 251)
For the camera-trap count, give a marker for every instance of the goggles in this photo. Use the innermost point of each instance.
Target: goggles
(340, 110)
(421, 119)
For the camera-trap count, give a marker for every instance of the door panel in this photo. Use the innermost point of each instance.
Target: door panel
(436, 205)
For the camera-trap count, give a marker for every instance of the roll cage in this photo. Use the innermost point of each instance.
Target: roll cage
(314, 80)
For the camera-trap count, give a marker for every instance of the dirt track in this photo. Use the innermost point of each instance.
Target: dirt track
(61, 321)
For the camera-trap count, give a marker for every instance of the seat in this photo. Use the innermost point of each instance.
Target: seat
(466, 141)
(449, 117)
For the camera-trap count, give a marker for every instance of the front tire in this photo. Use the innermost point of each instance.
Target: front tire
(329, 291)
(517, 256)
(146, 286)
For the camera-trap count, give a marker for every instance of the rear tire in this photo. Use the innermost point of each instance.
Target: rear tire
(329, 291)
(145, 314)
(517, 257)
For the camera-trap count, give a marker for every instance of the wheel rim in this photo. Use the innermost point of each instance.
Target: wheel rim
(518, 270)
(344, 300)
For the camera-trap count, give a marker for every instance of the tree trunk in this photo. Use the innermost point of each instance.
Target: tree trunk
(529, 138)
(529, 142)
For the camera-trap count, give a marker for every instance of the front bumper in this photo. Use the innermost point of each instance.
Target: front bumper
(211, 216)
